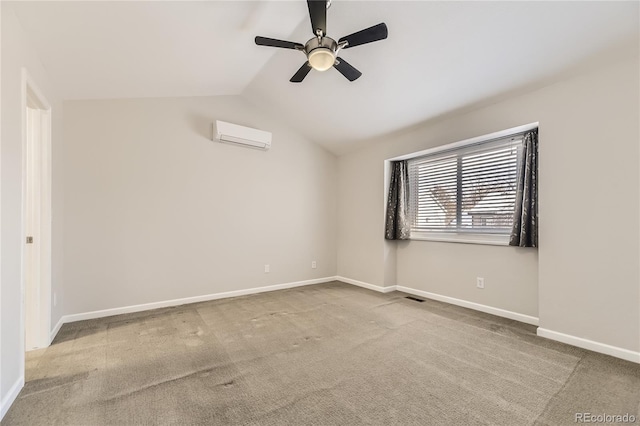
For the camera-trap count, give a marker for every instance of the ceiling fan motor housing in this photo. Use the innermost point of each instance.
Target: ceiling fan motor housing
(321, 52)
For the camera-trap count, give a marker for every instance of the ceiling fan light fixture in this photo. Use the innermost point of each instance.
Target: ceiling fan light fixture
(322, 51)
(321, 58)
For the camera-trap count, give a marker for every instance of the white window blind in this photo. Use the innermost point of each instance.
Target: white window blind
(470, 189)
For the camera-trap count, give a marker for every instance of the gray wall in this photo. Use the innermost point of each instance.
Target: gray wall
(584, 279)
(155, 210)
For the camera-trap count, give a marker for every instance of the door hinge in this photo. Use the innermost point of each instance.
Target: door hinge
(29, 240)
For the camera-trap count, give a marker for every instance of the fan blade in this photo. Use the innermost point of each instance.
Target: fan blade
(301, 73)
(265, 41)
(368, 35)
(318, 15)
(347, 70)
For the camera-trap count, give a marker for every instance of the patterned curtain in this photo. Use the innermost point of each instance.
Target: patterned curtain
(397, 224)
(525, 219)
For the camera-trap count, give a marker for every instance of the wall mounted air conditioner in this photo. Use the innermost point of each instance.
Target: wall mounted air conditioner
(240, 135)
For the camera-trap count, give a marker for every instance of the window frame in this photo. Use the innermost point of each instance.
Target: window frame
(467, 237)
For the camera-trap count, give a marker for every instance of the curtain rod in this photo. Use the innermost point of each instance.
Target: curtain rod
(514, 131)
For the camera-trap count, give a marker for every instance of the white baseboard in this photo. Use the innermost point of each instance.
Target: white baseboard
(54, 332)
(471, 305)
(11, 396)
(367, 285)
(602, 348)
(177, 302)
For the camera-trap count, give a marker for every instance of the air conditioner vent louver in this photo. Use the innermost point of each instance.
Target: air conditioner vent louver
(241, 135)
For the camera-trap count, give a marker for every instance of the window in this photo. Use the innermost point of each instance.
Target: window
(465, 192)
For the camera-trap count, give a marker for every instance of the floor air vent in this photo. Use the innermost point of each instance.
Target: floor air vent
(415, 298)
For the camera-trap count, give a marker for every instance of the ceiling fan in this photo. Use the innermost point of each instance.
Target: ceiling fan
(322, 51)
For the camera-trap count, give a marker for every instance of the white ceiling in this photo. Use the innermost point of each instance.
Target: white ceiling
(440, 56)
(124, 49)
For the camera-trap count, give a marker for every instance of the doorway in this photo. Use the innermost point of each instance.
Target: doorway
(36, 139)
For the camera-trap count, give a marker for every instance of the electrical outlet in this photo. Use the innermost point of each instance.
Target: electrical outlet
(313, 264)
(480, 282)
(266, 269)
(55, 299)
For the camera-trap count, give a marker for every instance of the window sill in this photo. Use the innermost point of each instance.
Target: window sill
(486, 239)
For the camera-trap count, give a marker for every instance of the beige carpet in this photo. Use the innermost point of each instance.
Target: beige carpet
(328, 354)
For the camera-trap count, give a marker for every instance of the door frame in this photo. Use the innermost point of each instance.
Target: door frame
(32, 96)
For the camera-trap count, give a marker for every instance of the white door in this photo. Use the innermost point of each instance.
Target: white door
(32, 240)
(37, 222)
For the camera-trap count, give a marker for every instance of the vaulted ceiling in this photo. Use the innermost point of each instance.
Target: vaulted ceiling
(440, 57)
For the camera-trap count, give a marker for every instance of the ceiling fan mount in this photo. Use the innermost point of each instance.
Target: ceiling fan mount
(321, 50)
